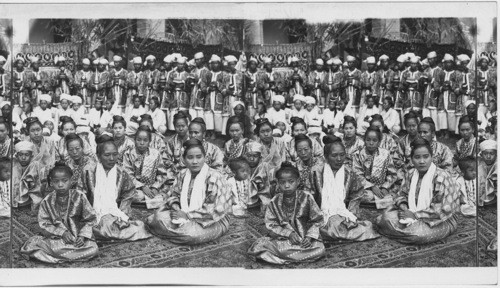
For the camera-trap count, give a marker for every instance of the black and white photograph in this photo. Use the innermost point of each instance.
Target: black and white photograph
(258, 142)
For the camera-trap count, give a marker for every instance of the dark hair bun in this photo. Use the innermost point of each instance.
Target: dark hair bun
(419, 142)
(377, 117)
(261, 121)
(198, 120)
(329, 139)
(348, 118)
(103, 139)
(118, 118)
(146, 117)
(287, 164)
(296, 119)
(60, 164)
(428, 120)
(65, 119)
(144, 128)
(31, 120)
(191, 142)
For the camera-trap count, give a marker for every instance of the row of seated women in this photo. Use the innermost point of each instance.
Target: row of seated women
(301, 201)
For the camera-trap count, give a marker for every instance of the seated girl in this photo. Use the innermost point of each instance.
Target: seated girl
(174, 147)
(122, 142)
(239, 112)
(293, 220)
(239, 185)
(375, 168)
(110, 190)
(66, 218)
(145, 167)
(5, 180)
(466, 146)
(198, 208)
(274, 149)
(426, 208)
(309, 167)
(234, 147)
(352, 142)
(157, 140)
(388, 142)
(44, 149)
(340, 192)
(487, 169)
(411, 120)
(79, 163)
(467, 183)
(441, 154)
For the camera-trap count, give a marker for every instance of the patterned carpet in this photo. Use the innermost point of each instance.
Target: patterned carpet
(230, 250)
(487, 227)
(5, 249)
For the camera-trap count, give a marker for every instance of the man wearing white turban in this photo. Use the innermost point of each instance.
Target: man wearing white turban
(98, 83)
(296, 80)
(39, 80)
(233, 85)
(369, 82)
(384, 74)
(20, 87)
(201, 74)
(135, 81)
(430, 94)
(149, 75)
(486, 79)
(63, 80)
(448, 85)
(315, 83)
(352, 78)
(333, 82)
(82, 82)
(118, 83)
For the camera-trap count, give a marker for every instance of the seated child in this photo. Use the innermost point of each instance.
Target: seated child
(277, 113)
(48, 131)
(66, 218)
(467, 182)
(298, 107)
(240, 185)
(487, 172)
(284, 131)
(293, 233)
(5, 167)
(312, 112)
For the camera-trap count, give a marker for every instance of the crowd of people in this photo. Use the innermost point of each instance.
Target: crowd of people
(303, 151)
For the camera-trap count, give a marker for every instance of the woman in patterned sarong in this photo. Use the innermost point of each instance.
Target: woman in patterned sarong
(78, 161)
(274, 149)
(145, 167)
(352, 142)
(68, 126)
(234, 148)
(110, 190)
(198, 207)
(299, 127)
(339, 197)
(122, 142)
(375, 168)
(426, 207)
(293, 220)
(66, 218)
(174, 147)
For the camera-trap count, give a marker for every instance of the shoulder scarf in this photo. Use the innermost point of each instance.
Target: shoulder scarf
(333, 194)
(425, 192)
(198, 193)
